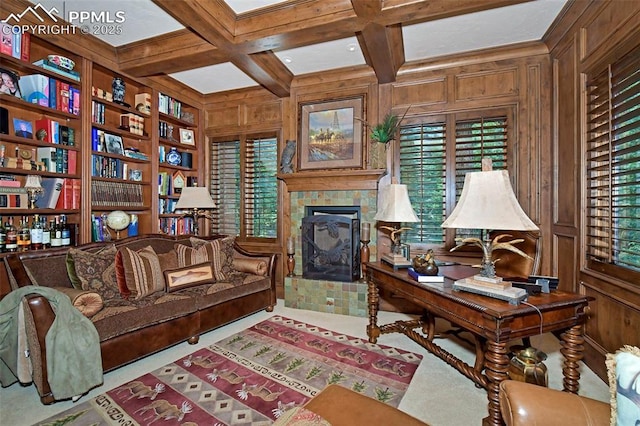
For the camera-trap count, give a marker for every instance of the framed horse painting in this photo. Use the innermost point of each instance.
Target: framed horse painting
(330, 135)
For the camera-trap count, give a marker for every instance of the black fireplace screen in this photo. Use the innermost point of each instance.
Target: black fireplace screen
(331, 245)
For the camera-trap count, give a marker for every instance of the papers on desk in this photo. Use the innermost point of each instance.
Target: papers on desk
(434, 281)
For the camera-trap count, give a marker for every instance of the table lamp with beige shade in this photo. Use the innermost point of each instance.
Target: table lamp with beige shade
(194, 201)
(488, 203)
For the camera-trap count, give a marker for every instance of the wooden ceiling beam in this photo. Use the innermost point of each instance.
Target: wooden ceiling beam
(203, 18)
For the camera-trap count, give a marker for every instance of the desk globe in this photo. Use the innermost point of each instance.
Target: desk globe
(118, 220)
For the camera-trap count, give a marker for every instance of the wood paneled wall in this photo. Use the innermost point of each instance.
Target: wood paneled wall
(517, 77)
(591, 33)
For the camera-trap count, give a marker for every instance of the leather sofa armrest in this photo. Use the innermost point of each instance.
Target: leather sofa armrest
(40, 317)
(527, 404)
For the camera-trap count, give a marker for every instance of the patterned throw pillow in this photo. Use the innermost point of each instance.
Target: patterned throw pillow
(97, 271)
(219, 252)
(623, 371)
(141, 271)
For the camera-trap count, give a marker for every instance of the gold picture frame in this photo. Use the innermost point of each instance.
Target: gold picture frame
(330, 135)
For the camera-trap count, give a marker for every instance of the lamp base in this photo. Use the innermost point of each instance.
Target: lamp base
(484, 282)
(398, 261)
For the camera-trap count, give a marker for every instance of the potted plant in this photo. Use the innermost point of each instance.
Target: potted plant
(385, 131)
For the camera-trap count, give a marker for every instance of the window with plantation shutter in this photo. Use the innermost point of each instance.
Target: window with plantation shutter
(477, 139)
(244, 187)
(613, 168)
(225, 187)
(261, 188)
(422, 169)
(425, 150)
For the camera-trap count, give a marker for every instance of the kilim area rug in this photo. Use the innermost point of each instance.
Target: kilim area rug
(251, 378)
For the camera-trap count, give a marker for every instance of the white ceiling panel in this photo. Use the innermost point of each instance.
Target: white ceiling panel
(323, 56)
(490, 28)
(215, 78)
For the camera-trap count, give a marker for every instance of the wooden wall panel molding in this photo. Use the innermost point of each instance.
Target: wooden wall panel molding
(566, 248)
(485, 85)
(419, 93)
(608, 26)
(223, 118)
(566, 156)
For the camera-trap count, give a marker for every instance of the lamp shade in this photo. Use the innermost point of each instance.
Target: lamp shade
(195, 197)
(396, 206)
(488, 202)
(33, 182)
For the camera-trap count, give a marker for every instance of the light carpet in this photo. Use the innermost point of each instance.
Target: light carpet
(251, 378)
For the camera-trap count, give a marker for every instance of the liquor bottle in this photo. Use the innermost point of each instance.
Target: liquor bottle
(24, 235)
(12, 236)
(56, 233)
(36, 233)
(46, 233)
(65, 231)
(3, 237)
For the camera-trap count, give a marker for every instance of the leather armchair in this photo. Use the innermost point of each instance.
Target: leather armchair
(527, 404)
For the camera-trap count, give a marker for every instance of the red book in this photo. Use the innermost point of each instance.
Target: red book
(25, 54)
(77, 187)
(63, 98)
(72, 160)
(48, 126)
(10, 183)
(65, 201)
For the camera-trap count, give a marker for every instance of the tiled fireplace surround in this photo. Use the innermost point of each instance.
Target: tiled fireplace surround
(348, 298)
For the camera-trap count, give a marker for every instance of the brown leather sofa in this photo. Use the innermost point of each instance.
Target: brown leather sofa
(527, 404)
(130, 331)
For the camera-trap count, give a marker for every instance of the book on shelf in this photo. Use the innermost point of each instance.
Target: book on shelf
(422, 278)
(143, 103)
(51, 192)
(50, 66)
(14, 200)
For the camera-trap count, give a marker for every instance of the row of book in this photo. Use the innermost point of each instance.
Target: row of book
(58, 160)
(50, 92)
(133, 123)
(116, 194)
(98, 112)
(16, 45)
(99, 231)
(108, 167)
(176, 225)
(164, 183)
(12, 194)
(167, 205)
(168, 105)
(54, 132)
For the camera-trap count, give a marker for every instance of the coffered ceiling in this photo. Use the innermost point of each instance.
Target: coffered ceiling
(216, 45)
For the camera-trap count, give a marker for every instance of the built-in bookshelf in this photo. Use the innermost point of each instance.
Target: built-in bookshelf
(40, 138)
(177, 160)
(121, 145)
(103, 152)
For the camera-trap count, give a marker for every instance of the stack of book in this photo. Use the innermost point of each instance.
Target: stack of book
(435, 281)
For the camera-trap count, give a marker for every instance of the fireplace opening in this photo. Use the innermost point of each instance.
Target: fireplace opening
(331, 243)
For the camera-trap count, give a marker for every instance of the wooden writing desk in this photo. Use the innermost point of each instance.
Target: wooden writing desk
(492, 322)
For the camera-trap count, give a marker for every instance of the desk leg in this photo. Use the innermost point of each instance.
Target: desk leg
(572, 343)
(496, 368)
(373, 331)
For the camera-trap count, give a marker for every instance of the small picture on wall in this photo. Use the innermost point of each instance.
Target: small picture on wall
(23, 128)
(187, 137)
(114, 144)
